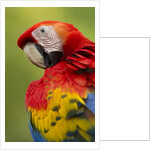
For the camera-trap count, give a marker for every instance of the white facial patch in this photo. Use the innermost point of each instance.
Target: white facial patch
(47, 37)
(33, 54)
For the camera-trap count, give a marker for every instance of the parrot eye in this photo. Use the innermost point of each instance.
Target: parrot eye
(42, 30)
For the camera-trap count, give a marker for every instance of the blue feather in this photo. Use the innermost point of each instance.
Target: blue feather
(90, 102)
(36, 135)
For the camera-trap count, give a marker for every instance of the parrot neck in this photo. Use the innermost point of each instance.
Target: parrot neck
(75, 41)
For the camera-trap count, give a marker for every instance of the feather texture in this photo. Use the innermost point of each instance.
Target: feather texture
(61, 105)
(66, 118)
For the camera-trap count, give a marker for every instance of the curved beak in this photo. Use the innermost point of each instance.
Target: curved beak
(39, 57)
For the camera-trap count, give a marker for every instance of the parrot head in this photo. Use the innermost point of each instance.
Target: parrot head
(48, 42)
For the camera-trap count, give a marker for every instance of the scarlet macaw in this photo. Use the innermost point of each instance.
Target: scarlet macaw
(61, 105)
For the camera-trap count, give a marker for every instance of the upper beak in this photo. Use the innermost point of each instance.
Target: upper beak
(35, 56)
(39, 57)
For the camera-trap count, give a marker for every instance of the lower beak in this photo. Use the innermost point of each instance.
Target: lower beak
(39, 57)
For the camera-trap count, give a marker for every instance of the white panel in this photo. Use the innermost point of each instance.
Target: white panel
(136, 145)
(124, 89)
(125, 18)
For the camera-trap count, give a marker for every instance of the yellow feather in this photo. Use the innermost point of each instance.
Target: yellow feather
(84, 135)
(83, 123)
(54, 101)
(60, 121)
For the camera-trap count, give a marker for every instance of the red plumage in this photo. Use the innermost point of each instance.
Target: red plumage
(61, 105)
(77, 68)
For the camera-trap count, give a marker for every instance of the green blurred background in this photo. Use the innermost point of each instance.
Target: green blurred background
(19, 70)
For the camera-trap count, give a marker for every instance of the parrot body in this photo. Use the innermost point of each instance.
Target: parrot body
(61, 105)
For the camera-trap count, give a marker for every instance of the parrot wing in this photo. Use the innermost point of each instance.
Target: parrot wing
(83, 58)
(67, 118)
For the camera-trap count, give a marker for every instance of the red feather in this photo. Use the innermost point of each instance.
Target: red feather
(76, 70)
(71, 66)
